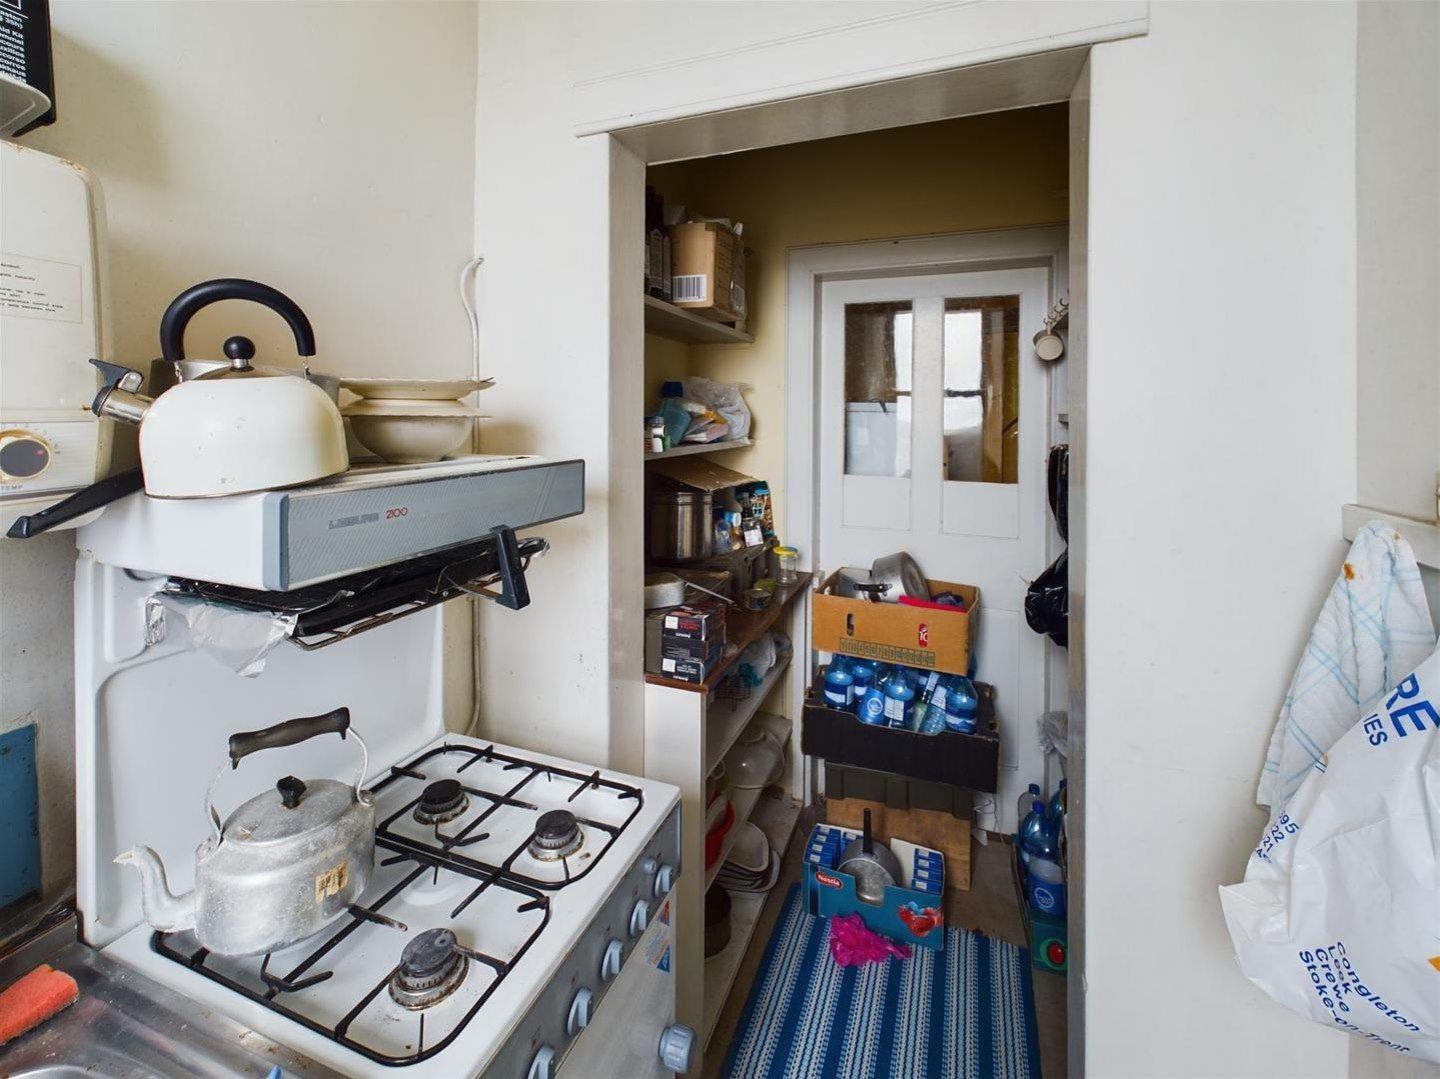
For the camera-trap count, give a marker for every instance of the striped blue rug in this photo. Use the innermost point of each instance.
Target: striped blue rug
(967, 1011)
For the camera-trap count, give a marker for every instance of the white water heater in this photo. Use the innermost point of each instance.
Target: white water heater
(52, 320)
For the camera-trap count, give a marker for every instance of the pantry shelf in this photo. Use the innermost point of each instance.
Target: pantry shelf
(666, 320)
(776, 818)
(727, 719)
(685, 449)
(743, 803)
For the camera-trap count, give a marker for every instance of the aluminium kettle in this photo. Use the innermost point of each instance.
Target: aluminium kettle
(284, 865)
(235, 428)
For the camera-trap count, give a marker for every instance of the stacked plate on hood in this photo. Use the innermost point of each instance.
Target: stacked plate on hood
(408, 421)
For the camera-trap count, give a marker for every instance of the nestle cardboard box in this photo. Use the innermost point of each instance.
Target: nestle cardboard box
(934, 638)
(708, 270)
(912, 910)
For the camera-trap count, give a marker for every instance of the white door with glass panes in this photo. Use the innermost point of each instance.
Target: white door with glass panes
(932, 420)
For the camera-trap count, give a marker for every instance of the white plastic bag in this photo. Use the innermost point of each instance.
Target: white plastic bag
(725, 399)
(1338, 917)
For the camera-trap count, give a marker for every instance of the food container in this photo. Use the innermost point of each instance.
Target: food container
(678, 526)
(786, 561)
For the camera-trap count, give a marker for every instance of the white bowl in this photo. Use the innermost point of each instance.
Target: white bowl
(415, 389)
(754, 761)
(749, 849)
(404, 439)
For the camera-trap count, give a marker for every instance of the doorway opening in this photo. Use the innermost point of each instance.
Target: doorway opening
(893, 282)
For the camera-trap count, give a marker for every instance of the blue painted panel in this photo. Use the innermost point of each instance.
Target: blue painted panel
(19, 816)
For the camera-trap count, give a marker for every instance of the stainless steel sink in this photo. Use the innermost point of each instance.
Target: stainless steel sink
(126, 1026)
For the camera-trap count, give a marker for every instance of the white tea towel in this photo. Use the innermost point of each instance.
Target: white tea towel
(1373, 629)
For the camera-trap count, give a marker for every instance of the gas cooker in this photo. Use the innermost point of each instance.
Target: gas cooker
(500, 875)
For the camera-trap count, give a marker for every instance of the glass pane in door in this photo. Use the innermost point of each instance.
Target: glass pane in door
(878, 361)
(982, 389)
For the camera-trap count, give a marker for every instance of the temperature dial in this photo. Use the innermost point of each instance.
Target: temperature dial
(611, 960)
(579, 1017)
(664, 880)
(23, 456)
(677, 1041)
(639, 918)
(543, 1066)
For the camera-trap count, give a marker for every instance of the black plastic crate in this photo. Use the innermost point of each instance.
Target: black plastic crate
(960, 760)
(897, 792)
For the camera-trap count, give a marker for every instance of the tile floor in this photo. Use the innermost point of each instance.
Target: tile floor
(990, 907)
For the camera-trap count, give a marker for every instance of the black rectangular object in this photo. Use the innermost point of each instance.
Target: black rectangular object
(25, 53)
(897, 792)
(961, 760)
(707, 651)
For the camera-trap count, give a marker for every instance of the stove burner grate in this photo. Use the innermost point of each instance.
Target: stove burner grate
(441, 801)
(432, 966)
(557, 835)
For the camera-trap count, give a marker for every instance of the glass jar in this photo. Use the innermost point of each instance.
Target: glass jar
(786, 561)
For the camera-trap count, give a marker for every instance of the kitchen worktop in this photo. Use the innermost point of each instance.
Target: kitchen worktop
(126, 1025)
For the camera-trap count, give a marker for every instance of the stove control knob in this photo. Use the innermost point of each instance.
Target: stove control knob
(664, 880)
(677, 1041)
(639, 917)
(579, 1017)
(648, 866)
(611, 960)
(543, 1066)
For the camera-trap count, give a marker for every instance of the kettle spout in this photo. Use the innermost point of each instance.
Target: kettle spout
(164, 910)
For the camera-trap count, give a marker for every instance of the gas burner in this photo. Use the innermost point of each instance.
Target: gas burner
(557, 835)
(441, 801)
(432, 966)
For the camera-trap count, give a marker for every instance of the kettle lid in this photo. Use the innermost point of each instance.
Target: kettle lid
(290, 808)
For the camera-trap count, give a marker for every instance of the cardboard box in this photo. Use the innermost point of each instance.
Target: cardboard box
(701, 621)
(694, 671)
(948, 834)
(938, 640)
(707, 270)
(707, 651)
(913, 910)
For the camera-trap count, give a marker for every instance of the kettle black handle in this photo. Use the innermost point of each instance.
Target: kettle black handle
(86, 500)
(289, 733)
(183, 308)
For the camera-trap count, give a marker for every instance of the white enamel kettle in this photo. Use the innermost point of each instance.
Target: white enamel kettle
(233, 429)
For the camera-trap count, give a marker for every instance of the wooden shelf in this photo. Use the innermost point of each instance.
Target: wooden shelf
(666, 320)
(741, 628)
(776, 818)
(685, 449)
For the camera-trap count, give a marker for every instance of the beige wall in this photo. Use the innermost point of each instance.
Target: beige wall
(1000, 170)
(324, 148)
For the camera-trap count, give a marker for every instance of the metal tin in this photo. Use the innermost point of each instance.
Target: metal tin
(678, 527)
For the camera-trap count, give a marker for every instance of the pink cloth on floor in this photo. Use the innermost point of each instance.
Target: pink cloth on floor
(852, 943)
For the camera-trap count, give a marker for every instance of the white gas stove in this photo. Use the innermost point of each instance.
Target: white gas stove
(511, 890)
(517, 922)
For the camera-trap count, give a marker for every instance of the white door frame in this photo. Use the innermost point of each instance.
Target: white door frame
(809, 267)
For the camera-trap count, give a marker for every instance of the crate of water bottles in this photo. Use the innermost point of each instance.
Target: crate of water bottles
(911, 721)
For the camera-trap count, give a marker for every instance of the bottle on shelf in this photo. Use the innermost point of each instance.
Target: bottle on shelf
(1058, 802)
(899, 701)
(962, 705)
(839, 685)
(1022, 807)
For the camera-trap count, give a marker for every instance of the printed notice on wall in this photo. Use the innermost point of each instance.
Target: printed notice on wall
(39, 288)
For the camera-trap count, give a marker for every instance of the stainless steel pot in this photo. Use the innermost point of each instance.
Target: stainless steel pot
(283, 865)
(874, 866)
(900, 576)
(679, 525)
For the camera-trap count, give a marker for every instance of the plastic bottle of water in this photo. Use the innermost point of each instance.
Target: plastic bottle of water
(1045, 886)
(871, 708)
(863, 673)
(899, 702)
(839, 685)
(1057, 805)
(1022, 807)
(961, 706)
(1035, 837)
